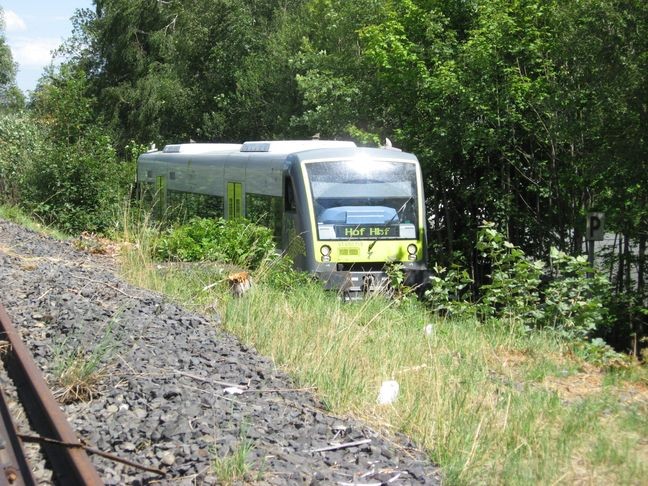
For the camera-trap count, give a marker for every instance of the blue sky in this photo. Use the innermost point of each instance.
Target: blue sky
(33, 28)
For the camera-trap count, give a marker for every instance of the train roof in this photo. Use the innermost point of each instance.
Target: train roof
(353, 153)
(280, 153)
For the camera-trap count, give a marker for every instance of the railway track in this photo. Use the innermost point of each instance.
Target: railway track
(66, 455)
(14, 467)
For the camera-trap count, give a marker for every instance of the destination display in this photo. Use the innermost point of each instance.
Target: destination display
(367, 231)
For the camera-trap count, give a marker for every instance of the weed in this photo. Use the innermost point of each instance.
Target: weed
(278, 272)
(233, 466)
(599, 353)
(78, 373)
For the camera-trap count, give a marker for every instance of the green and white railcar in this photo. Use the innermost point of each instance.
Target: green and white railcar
(340, 211)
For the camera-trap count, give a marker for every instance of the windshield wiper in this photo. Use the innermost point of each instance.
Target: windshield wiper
(397, 214)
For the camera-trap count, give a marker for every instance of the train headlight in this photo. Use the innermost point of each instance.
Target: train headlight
(325, 250)
(411, 249)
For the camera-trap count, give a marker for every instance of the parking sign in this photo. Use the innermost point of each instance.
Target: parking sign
(595, 226)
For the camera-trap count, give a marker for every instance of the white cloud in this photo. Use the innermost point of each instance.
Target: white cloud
(35, 52)
(13, 22)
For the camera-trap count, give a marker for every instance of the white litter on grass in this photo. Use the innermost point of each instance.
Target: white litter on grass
(428, 330)
(388, 392)
(233, 390)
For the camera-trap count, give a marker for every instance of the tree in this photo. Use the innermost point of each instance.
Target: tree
(200, 69)
(11, 98)
(79, 182)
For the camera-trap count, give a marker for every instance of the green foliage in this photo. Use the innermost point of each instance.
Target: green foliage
(77, 371)
(574, 299)
(278, 272)
(512, 291)
(22, 143)
(233, 466)
(77, 190)
(26, 220)
(78, 183)
(231, 241)
(57, 164)
(599, 353)
(397, 290)
(627, 326)
(571, 303)
(168, 71)
(449, 291)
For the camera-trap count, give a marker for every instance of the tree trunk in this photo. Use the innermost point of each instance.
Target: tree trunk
(619, 282)
(642, 264)
(628, 262)
(616, 237)
(450, 234)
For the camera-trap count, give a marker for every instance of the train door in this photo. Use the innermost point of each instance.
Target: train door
(160, 200)
(292, 241)
(234, 200)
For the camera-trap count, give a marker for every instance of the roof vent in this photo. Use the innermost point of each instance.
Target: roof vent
(290, 146)
(256, 147)
(171, 149)
(200, 148)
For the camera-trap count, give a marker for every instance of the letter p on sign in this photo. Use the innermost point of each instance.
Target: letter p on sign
(595, 226)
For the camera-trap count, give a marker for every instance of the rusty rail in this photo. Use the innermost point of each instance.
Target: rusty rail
(71, 465)
(14, 469)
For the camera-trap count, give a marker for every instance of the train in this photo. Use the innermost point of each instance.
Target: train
(342, 212)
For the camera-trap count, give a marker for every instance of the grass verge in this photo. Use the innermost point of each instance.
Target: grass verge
(19, 216)
(491, 403)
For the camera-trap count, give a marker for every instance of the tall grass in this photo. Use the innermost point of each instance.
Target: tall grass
(491, 403)
(21, 217)
(183, 282)
(465, 393)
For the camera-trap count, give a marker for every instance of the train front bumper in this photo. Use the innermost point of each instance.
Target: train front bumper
(355, 282)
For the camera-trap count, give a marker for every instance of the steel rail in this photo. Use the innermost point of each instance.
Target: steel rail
(71, 465)
(14, 469)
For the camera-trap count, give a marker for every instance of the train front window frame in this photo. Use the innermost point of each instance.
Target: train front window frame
(364, 199)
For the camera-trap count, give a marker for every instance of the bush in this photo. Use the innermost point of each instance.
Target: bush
(78, 187)
(449, 291)
(58, 163)
(231, 241)
(599, 353)
(573, 300)
(279, 273)
(22, 143)
(571, 303)
(513, 289)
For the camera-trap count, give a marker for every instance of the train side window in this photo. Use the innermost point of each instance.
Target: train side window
(265, 211)
(289, 195)
(183, 205)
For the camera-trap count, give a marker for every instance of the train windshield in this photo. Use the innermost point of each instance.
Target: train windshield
(366, 199)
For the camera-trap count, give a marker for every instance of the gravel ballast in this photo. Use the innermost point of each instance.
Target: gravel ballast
(163, 401)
